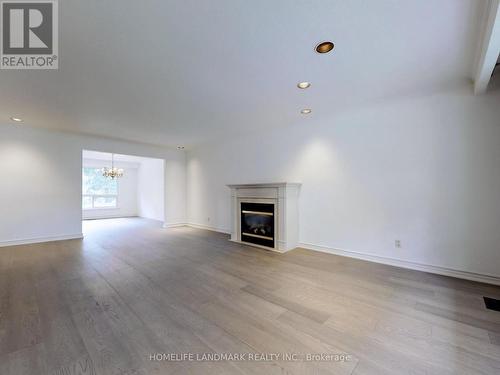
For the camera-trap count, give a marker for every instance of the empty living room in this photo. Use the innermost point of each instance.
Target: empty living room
(249, 187)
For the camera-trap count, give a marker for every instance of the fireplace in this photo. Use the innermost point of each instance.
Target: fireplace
(257, 223)
(266, 215)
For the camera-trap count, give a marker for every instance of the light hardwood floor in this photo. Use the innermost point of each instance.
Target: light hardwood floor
(131, 289)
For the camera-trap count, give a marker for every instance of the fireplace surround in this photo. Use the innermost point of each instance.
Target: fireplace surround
(265, 215)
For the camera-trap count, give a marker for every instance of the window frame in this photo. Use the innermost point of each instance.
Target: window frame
(94, 196)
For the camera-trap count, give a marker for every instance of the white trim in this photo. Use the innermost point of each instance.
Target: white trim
(27, 241)
(489, 43)
(208, 227)
(90, 210)
(266, 184)
(174, 225)
(488, 279)
(197, 226)
(90, 216)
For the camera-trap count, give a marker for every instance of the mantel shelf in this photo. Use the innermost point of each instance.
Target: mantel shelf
(262, 185)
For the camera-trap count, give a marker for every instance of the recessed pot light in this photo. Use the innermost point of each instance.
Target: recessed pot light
(180, 147)
(324, 47)
(16, 119)
(306, 111)
(303, 85)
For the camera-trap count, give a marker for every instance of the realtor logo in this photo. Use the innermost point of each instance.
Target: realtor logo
(29, 34)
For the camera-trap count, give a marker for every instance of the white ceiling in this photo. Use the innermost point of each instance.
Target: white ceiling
(186, 71)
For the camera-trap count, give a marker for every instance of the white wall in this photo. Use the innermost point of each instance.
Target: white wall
(425, 171)
(127, 202)
(40, 185)
(422, 170)
(151, 189)
(175, 198)
(40, 181)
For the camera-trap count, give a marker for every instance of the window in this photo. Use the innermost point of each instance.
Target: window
(98, 191)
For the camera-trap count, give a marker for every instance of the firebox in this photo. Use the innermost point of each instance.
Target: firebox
(257, 223)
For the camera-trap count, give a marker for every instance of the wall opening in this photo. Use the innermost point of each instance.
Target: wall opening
(138, 193)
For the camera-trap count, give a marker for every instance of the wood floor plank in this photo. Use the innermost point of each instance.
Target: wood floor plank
(459, 317)
(26, 361)
(63, 345)
(316, 315)
(19, 314)
(270, 336)
(130, 289)
(385, 355)
(494, 338)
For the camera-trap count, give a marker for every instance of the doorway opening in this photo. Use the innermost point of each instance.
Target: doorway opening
(134, 188)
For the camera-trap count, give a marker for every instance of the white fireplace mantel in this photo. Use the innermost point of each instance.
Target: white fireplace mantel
(284, 196)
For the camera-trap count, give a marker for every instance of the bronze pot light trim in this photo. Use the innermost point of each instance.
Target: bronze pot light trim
(324, 47)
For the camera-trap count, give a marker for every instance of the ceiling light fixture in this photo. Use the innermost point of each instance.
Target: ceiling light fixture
(303, 85)
(306, 111)
(112, 172)
(16, 119)
(324, 47)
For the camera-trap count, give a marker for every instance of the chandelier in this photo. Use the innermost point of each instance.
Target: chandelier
(112, 172)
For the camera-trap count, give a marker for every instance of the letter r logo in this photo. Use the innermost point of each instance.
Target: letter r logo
(27, 28)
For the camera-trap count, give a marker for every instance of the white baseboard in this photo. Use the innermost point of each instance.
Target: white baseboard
(104, 217)
(208, 227)
(488, 279)
(173, 225)
(197, 226)
(27, 241)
